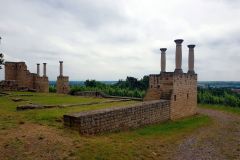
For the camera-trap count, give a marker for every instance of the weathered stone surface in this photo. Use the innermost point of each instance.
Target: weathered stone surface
(119, 118)
(38, 106)
(179, 88)
(18, 99)
(63, 85)
(17, 77)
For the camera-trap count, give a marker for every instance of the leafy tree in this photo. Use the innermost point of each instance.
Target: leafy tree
(1, 60)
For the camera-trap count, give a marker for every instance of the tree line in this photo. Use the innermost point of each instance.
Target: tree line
(132, 87)
(222, 96)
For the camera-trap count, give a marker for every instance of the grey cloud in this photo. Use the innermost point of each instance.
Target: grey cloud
(108, 40)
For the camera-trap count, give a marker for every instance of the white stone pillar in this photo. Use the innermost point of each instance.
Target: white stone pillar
(38, 69)
(178, 60)
(61, 68)
(44, 70)
(163, 59)
(191, 59)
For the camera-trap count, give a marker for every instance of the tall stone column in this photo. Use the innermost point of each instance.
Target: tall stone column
(163, 59)
(44, 70)
(38, 69)
(61, 68)
(178, 60)
(191, 59)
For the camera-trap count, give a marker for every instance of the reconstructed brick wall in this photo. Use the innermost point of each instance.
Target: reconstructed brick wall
(17, 71)
(160, 86)
(8, 86)
(184, 95)
(41, 84)
(180, 89)
(63, 85)
(119, 118)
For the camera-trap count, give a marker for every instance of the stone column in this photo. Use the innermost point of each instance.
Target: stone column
(61, 68)
(163, 59)
(191, 59)
(38, 69)
(178, 60)
(44, 70)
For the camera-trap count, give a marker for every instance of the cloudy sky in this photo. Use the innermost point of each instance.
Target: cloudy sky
(111, 39)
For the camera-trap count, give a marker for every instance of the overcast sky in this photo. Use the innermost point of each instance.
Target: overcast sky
(112, 39)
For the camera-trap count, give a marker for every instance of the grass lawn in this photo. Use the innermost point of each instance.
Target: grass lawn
(235, 110)
(39, 134)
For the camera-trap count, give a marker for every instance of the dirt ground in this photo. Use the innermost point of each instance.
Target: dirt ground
(218, 141)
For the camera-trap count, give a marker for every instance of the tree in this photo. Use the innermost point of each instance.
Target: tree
(1, 60)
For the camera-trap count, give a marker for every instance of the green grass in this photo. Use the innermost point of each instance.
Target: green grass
(138, 143)
(173, 127)
(235, 110)
(52, 117)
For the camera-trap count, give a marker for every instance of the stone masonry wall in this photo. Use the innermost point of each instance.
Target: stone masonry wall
(63, 85)
(17, 71)
(119, 118)
(42, 84)
(184, 96)
(160, 86)
(179, 88)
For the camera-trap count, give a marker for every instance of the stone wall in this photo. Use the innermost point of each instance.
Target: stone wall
(160, 86)
(179, 88)
(17, 71)
(8, 86)
(41, 84)
(184, 95)
(63, 85)
(119, 118)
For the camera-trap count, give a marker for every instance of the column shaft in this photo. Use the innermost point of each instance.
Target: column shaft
(44, 70)
(61, 68)
(191, 59)
(163, 59)
(178, 60)
(38, 69)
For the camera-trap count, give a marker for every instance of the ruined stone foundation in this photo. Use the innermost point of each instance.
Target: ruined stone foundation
(18, 77)
(63, 85)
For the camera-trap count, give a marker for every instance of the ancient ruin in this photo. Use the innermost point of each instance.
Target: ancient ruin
(177, 87)
(62, 81)
(18, 77)
(171, 95)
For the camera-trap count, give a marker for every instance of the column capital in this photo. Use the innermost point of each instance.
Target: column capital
(191, 46)
(163, 49)
(178, 41)
(60, 61)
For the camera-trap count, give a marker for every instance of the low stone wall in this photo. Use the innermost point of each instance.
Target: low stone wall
(119, 118)
(103, 95)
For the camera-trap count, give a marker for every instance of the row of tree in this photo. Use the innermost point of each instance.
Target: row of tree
(220, 96)
(131, 87)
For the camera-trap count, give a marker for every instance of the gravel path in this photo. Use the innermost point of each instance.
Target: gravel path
(219, 141)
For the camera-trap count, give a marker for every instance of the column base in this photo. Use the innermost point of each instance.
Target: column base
(191, 72)
(178, 71)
